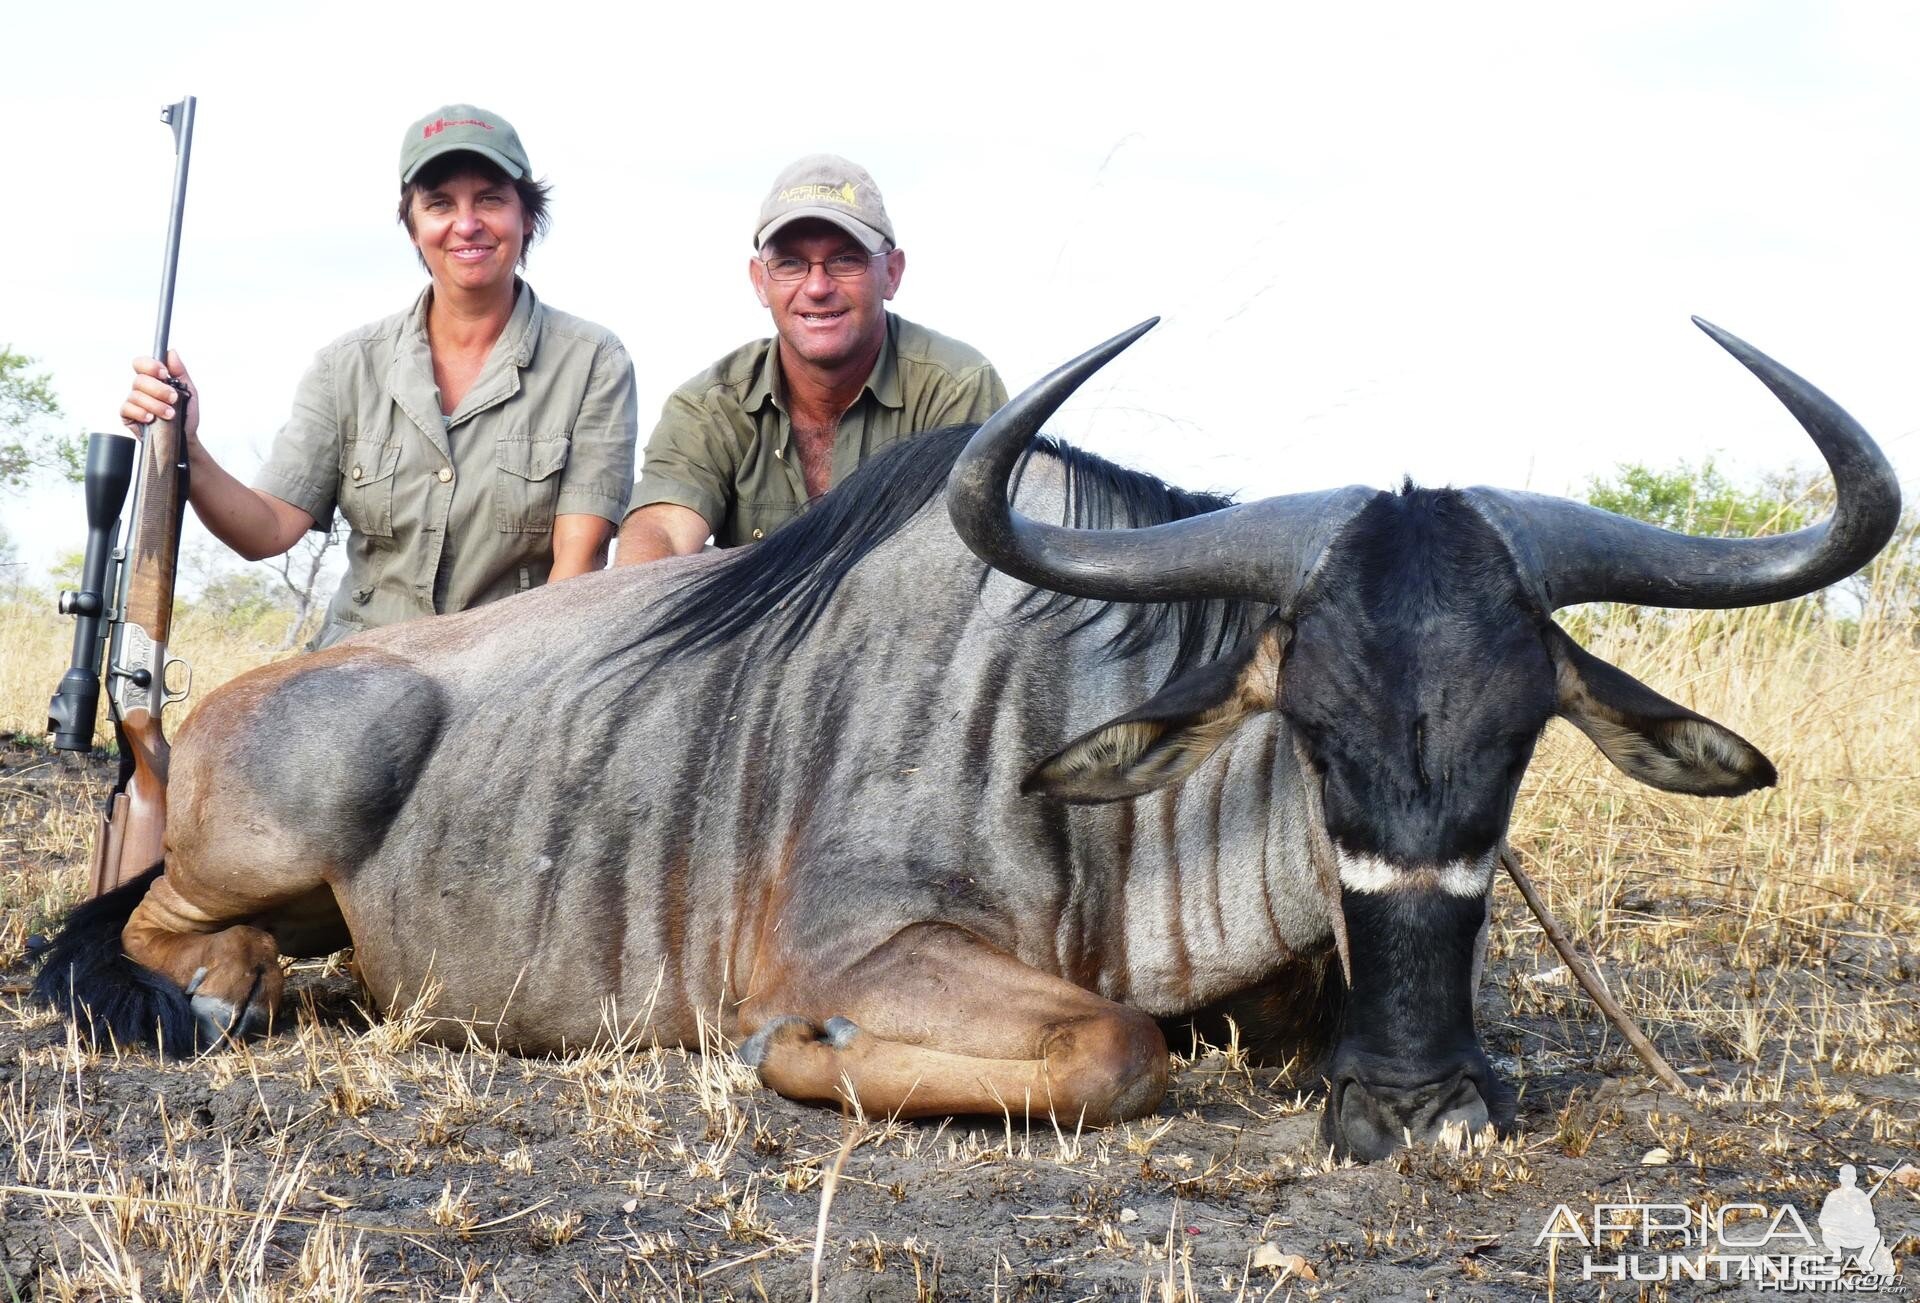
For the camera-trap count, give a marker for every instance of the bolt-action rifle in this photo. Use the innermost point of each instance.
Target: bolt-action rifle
(125, 604)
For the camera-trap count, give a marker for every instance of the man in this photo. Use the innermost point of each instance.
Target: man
(745, 445)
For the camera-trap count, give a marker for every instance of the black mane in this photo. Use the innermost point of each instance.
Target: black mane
(781, 585)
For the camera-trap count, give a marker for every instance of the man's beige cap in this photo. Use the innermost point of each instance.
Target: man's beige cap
(827, 187)
(463, 128)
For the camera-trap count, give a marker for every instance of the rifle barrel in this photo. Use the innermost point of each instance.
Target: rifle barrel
(179, 116)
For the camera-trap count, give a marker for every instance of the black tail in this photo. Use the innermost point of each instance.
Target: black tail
(112, 1000)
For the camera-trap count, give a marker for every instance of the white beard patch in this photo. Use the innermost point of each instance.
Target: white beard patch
(1371, 875)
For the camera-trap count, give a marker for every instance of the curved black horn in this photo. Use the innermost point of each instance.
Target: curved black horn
(1259, 551)
(1576, 553)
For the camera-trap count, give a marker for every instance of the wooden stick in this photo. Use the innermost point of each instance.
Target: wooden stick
(1590, 980)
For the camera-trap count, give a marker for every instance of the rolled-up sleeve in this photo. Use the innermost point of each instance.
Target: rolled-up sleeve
(600, 462)
(691, 460)
(303, 467)
(973, 396)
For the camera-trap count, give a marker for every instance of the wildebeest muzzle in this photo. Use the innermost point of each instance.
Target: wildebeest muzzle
(1408, 1065)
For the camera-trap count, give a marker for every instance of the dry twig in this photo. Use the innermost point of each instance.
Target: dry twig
(828, 1181)
(1590, 980)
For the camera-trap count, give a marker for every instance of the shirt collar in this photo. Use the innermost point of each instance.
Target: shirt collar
(524, 326)
(766, 381)
(519, 338)
(884, 381)
(499, 379)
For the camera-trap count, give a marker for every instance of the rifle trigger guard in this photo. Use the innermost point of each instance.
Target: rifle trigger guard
(167, 695)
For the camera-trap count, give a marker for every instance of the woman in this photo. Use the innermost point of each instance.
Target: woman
(478, 444)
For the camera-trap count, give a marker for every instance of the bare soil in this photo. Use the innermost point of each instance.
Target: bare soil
(343, 1158)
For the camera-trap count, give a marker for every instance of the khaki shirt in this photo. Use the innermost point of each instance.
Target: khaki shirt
(451, 512)
(723, 447)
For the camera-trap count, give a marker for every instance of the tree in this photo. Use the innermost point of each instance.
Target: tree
(11, 567)
(65, 570)
(296, 582)
(27, 446)
(1700, 500)
(301, 569)
(241, 598)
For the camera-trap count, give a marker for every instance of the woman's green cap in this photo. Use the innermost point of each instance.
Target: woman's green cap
(463, 128)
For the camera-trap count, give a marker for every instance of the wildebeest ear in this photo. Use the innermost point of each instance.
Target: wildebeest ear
(1659, 742)
(1167, 738)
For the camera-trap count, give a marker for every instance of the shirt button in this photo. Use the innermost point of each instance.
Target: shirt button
(356, 472)
(446, 475)
(759, 533)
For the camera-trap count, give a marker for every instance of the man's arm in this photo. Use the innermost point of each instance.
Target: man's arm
(662, 529)
(686, 488)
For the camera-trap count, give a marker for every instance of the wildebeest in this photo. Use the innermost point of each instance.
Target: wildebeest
(953, 838)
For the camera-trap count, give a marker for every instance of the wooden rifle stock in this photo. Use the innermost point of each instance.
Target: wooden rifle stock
(153, 545)
(131, 837)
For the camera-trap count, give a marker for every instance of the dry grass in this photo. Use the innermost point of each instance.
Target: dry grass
(37, 643)
(1768, 944)
(1806, 889)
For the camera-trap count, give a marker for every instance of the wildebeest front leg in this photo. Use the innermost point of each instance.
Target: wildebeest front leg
(229, 971)
(938, 1022)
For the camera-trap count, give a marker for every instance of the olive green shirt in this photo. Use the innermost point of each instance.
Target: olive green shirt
(724, 445)
(451, 512)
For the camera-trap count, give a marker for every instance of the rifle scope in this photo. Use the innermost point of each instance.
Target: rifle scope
(76, 702)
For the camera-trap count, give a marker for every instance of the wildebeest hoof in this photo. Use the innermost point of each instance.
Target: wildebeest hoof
(841, 1031)
(753, 1051)
(219, 1022)
(216, 1022)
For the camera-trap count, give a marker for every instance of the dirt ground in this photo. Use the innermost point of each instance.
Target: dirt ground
(345, 1159)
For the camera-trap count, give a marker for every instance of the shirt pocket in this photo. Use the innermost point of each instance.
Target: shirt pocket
(366, 487)
(527, 484)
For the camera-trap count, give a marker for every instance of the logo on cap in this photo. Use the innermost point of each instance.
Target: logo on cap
(843, 194)
(439, 125)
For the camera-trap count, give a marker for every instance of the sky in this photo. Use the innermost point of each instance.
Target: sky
(1460, 243)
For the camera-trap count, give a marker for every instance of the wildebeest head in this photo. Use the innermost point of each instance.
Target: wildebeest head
(1413, 662)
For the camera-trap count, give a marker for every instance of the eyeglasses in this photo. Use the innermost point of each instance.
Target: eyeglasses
(841, 266)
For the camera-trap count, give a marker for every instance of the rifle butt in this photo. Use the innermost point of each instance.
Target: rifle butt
(106, 846)
(132, 834)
